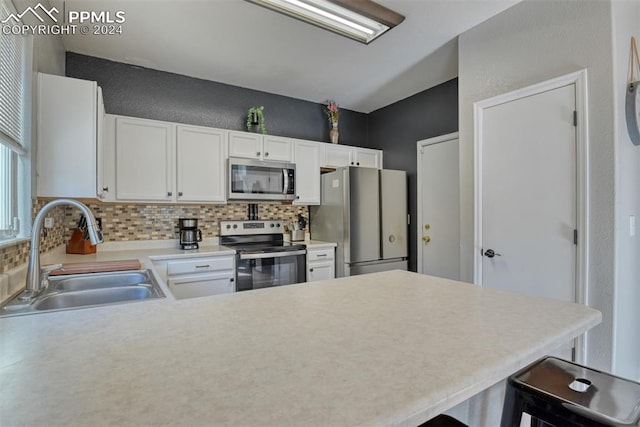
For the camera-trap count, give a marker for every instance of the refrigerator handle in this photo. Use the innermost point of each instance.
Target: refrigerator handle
(408, 219)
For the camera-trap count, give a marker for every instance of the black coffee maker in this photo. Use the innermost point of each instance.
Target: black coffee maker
(190, 235)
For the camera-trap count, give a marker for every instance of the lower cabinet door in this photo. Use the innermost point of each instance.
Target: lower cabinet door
(200, 285)
(321, 271)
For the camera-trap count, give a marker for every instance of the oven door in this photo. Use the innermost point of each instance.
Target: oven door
(264, 270)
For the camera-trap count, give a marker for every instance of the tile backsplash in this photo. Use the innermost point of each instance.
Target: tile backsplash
(159, 222)
(122, 222)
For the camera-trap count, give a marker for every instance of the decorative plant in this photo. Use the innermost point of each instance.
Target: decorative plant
(333, 112)
(255, 117)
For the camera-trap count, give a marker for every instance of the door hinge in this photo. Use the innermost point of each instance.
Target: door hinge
(575, 118)
(575, 237)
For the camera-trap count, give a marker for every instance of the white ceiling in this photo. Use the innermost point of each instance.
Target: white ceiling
(238, 43)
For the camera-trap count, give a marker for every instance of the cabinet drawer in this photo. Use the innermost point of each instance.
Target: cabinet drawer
(320, 255)
(199, 265)
(199, 285)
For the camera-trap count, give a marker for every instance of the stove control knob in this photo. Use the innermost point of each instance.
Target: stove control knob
(278, 225)
(228, 226)
(272, 225)
(235, 225)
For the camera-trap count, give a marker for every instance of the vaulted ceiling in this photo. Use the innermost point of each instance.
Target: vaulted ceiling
(238, 43)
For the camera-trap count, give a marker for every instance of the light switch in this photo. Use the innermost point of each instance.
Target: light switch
(48, 223)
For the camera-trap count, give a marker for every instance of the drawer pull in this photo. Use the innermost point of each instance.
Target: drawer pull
(203, 266)
(319, 255)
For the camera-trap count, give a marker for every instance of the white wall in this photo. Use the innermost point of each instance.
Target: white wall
(626, 347)
(532, 42)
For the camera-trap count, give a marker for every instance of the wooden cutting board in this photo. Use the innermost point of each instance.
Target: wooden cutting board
(97, 267)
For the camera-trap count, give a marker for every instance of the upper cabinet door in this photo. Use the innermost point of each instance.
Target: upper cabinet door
(338, 156)
(245, 144)
(277, 148)
(201, 164)
(307, 159)
(368, 158)
(67, 131)
(145, 158)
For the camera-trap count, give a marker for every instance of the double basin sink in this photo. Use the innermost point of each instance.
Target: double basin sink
(88, 290)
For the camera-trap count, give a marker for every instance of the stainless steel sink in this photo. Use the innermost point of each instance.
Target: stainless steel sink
(92, 297)
(96, 281)
(88, 290)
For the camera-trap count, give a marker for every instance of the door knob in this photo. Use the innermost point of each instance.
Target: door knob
(490, 253)
(426, 239)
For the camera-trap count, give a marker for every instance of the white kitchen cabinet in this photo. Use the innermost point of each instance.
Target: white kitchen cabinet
(69, 152)
(338, 155)
(145, 160)
(344, 155)
(260, 147)
(368, 158)
(307, 160)
(201, 154)
(321, 264)
(197, 277)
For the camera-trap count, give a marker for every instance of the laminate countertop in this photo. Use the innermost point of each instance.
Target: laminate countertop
(391, 348)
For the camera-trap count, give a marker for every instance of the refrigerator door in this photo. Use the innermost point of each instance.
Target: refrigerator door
(364, 215)
(329, 219)
(393, 212)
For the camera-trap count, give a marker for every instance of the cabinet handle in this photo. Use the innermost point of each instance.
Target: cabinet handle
(266, 154)
(105, 189)
(358, 163)
(179, 193)
(258, 154)
(297, 197)
(232, 279)
(311, 270)
(203, 266)
(169, 193)
(319, 255)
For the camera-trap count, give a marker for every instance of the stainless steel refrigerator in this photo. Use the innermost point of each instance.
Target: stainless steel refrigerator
(363, 210)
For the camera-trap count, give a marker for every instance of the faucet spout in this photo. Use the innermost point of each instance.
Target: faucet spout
(33, 269)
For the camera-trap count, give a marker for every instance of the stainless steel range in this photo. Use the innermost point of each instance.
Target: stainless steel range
(263, 258)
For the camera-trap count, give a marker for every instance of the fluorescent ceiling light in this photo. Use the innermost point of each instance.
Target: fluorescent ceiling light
(361, 20)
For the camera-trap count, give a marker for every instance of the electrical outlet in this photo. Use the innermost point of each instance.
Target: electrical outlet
(48, 223)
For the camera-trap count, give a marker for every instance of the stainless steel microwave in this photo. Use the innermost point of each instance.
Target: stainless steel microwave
(257, 180)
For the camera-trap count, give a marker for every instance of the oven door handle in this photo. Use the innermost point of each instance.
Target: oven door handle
(272, 254)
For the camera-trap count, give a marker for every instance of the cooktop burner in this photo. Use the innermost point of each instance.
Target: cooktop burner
(256, 236)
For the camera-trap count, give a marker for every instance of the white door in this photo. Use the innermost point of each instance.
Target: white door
(439, 205)
(277, 148)
(201, 164)
(368, 158)
(244, 144)
(527, 192)
(307, 159)
(145, 158)
(338, 156)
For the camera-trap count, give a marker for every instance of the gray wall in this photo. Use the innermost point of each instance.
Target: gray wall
(397, 128)
(142, 92)
(626, 350)
(528, 43)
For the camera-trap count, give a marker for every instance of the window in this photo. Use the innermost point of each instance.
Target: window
(13, 69)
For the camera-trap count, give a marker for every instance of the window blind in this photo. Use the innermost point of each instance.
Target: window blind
(12, 77)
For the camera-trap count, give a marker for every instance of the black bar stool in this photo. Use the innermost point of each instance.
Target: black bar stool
(564, 394)
(443, 421)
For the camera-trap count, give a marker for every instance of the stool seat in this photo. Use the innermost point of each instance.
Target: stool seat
(443, 421)
(563, 393)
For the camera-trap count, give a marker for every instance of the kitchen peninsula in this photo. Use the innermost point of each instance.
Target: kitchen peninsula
(391, 348)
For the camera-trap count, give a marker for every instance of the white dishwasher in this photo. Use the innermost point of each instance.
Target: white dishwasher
(197, 277)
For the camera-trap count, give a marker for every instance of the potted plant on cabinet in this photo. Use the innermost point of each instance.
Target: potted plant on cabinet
(255, 118)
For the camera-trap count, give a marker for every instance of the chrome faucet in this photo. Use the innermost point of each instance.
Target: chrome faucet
(34, 274)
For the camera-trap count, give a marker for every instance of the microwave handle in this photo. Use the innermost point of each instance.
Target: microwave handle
(285, 173)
